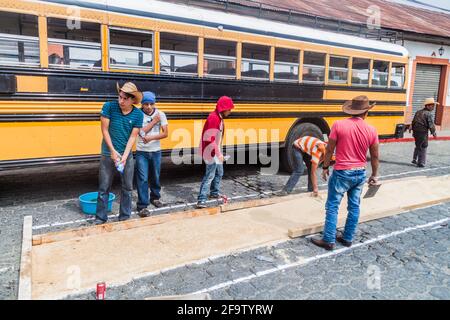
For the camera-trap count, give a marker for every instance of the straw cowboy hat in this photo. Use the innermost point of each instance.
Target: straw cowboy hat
(430, 101)
(357, 105)
(131, 88)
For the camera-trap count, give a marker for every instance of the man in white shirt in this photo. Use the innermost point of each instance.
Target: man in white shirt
(148, 154)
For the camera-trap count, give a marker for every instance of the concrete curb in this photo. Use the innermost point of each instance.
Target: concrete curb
(25, 260)
(412, 139)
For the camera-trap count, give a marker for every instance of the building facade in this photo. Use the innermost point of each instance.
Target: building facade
(429, 77)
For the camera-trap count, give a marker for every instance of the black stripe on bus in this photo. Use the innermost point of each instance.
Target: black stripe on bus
(185, 90)
(215, 25)
(133, 76)
(186, 116)
(10, 72)
(93, 98)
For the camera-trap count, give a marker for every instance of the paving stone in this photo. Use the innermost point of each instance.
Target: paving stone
(291, 292)
(344, 292)
(220, 295)
(243, 290)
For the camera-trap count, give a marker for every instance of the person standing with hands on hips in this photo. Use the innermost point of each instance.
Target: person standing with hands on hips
(351, 138)
(120, 125)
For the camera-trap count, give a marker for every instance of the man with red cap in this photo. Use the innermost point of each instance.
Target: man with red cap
(210, 149)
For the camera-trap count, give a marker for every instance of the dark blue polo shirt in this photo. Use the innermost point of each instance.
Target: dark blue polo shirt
(120, 125)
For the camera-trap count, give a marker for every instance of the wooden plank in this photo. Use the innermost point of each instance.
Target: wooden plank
(120, 225)
(261, 202)
(25, 260)
(305, 230)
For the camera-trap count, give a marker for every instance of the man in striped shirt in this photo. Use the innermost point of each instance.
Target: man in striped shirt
(310, 150)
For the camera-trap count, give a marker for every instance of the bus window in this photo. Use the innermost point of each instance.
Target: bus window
(314, 67)
(380, 73)
(255, 61)
(338, 70)
(178, 54)
(220, 58)
(130, 49)
(75, 46)
(286, 64)
(397, 75)
(360, 72)
(19, 39)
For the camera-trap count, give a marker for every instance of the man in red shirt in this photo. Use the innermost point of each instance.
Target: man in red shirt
(351, 138)
(210, 148)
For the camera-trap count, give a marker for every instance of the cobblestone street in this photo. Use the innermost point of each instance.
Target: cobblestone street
(405, 256)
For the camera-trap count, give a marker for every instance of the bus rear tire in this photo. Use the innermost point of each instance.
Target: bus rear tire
(300, 130)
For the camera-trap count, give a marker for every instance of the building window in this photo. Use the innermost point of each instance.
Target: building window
(286, 64)
(397, 75)
(314, 67)
(178, 54)
(255, 61)
(72, 47)
(338, 70)
(220, 58)
(380, 73)
(19, 39)
(130, 49)
(360, 72)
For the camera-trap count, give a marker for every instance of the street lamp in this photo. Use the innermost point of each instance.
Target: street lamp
(441, 51)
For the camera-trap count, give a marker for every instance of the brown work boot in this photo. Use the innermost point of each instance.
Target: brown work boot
(157, 203)
(323, 244)
(340, 239)
(144, 213)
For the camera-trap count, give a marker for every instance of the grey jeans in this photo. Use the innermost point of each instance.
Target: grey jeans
(420, 151)
(105, 180)
(299, 157)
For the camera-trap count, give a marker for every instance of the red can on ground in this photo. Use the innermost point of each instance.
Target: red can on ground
(101, 290)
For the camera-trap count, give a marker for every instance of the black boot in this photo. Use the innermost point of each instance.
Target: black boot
(422, 159)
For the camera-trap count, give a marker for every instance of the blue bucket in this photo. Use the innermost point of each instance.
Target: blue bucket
(88, 202)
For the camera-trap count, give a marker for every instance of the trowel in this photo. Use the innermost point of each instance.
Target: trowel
(372, 190)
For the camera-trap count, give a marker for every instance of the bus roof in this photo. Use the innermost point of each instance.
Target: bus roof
(233, 22)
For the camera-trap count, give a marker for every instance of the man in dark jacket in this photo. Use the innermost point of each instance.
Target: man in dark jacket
(422, 122)
(210, 148)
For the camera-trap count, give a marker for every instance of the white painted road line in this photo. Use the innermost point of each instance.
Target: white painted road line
(415, 171)
(320, 256)
(5, 269)
(58, 224)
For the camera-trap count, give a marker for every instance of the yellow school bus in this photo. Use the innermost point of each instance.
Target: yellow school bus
(60, 61)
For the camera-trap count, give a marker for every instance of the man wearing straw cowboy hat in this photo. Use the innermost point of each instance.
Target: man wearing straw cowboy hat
(351, 138)
(422, 122)
(120, 125)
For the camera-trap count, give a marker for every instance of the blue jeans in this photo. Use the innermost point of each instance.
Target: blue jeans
(211, 181)
(298, 171)
(341, 182)
(148, 165)
(106, 176)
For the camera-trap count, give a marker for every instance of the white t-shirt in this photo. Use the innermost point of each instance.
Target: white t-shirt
(154, 145)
